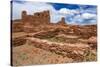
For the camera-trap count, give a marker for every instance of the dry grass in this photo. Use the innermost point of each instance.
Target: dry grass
(90, 56)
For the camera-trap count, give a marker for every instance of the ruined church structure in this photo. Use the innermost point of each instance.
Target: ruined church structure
(36, 18)
(39, 18)
(30, 22)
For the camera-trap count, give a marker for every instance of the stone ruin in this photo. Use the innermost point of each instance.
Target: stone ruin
(37, 18)
(62, 21)
(30, 22)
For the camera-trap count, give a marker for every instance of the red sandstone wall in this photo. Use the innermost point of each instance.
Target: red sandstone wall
(36, 19)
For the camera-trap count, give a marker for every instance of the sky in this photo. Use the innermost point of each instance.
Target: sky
(73, 13)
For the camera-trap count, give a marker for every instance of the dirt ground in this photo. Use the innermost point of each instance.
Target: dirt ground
(28, 55)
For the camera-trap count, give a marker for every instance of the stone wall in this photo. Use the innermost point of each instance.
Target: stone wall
(17, 27)
(62, 21)
(37, 18)
(36, 22)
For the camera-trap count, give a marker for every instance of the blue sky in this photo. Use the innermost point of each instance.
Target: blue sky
(73, 13)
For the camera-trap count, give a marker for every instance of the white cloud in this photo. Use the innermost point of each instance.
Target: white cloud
(64, 11)
(88, 15)
(68, 11)
(84, 18)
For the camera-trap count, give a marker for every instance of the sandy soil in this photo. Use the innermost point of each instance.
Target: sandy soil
(29, 55)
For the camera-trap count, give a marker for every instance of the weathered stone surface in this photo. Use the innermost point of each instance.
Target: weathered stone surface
(18, 41)
(36, 19)
(62, 22)
(73, 51)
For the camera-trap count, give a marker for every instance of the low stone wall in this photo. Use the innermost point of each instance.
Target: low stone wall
(74, 52)
(18, 41)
